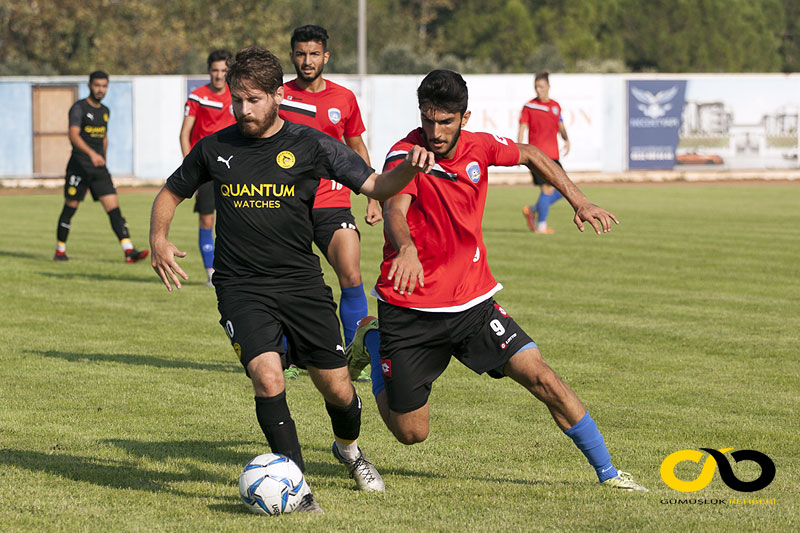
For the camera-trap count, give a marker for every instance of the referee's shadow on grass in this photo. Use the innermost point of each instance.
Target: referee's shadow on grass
(136, 359)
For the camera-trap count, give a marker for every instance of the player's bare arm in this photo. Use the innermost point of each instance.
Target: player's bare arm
(585, 211)
(562, 129)
(384, 186)
(163, 252)
(98, 160)
(406, 269)
(523, 128)
(374, 214)
(186, 133)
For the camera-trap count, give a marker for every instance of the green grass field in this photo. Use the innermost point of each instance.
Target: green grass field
(125, 408)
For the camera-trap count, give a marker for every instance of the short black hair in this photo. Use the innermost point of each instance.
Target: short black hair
(218, 55)
(443, 89)
(308, 33)
(257, 66)
(98, 75)
(542, 75)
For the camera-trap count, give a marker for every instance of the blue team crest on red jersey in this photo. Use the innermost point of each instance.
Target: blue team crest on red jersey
(474, 172)
(335, 115)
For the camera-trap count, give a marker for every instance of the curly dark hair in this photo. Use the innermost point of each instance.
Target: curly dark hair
(443, 89)
(256, 67)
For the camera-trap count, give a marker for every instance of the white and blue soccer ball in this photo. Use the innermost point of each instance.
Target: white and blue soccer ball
(272, 484)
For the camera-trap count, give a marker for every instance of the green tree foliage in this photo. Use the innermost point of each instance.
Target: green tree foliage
(406, 36)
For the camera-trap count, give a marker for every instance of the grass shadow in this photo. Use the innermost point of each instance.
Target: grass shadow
(334, 469)
(98, 277)
(136, 359)
(21, 255)
(109, 473)
(218, 452)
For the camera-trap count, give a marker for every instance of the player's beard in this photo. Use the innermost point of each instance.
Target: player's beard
(256, 128)
(98, 96)
(309, 79)
(446, 149)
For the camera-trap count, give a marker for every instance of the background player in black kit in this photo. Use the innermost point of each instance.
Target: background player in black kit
(265, 173)
(88, 129)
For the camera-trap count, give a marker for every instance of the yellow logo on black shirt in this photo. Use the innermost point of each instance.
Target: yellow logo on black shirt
(285, 159)
(105, 117)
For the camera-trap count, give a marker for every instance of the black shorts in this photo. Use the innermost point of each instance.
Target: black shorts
(327, 220)
(204, 199)
(256, 319)
(539, 180)
(80, 178)
(416, 347)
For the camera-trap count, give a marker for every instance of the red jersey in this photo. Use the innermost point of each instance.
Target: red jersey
(445, 218)
(212, 112)
(334, 111)
(542, 119)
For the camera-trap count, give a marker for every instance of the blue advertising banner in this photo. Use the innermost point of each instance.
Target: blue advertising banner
(654, 119)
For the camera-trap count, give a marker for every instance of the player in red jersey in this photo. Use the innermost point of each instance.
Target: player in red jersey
(435, 288)
(315, 101)
(541, 117)
(208, 110)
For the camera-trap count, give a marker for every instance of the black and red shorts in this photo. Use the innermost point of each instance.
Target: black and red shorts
(416, 347)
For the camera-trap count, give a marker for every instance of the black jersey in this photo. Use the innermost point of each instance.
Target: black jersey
(264, 191)
(93, 122)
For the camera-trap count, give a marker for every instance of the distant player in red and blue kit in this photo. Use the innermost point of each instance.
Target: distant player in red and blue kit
(86, 169)
(435, 289)
(315, 101)
(542, 118)
(208, 110)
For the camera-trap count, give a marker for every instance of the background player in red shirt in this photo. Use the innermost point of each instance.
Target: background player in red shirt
(314, 101)
(435, 288)
(542, 118)
(208, 110)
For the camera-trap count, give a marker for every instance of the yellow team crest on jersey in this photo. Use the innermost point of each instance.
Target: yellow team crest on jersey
(285, 159)
(105, 117)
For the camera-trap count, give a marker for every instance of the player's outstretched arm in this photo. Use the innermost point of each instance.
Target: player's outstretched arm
(162, 251)
(406, 269)
(374, 213)
(384, 186)
(585, 211)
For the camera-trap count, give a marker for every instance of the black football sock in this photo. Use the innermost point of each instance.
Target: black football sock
(346, 421)
(277, 424)
(118, 224)
(64, 223)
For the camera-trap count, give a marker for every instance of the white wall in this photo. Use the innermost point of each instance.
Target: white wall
(157, 117)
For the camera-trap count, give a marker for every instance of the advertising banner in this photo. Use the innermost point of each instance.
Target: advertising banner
(655, 108)
(740, 122)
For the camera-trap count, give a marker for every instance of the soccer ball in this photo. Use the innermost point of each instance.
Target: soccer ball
(272, 484)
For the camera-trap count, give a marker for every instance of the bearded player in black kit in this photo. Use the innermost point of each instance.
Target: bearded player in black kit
(265, 172)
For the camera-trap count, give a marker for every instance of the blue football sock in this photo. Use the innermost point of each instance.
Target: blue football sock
(542, 207)
(206, 242)
(372, 341)
(588, 439)
(556, 196)
(352, 308)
